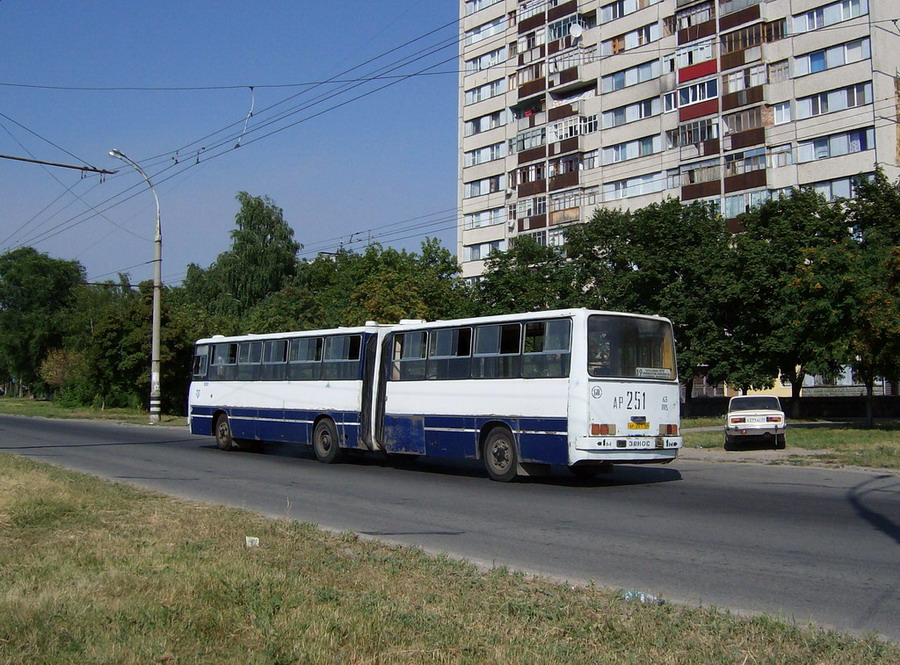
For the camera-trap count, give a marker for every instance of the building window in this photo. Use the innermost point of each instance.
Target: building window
(744, 202)
(483, 250)
(745, 162)
(632, 112)
(834, 56)
(705, 171)
(490, 217)
(695, 53)
(835, 145)
(530, 173)
(835, 100)
(496, 183)
(743, 79)
(836, 12)
(486, 154)
(485, 91)
(693, 133)
(631, 40)
(753, 35)
(485, 30)
(621, 152)
(781, 113)
(698, 92)
(631, 76)
(531, 207)
(742, 121)
(781, 155)
(473, 6)
(731, 6)
(486, 61)
(779, 71)
(532, 138)
(620, 8)
(644, 184)
(694, 15)
(487, 122)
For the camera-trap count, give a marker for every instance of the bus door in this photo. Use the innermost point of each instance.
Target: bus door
(369, 377)
(401, 428)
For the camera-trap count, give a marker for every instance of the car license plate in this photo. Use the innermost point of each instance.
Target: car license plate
(642, 443)
(638, 425)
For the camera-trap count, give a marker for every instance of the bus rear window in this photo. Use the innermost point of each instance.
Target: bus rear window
(620, 346)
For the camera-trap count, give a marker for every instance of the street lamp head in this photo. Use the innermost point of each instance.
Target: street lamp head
(115, 153)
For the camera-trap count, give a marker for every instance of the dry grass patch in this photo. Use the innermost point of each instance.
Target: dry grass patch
(92, 572)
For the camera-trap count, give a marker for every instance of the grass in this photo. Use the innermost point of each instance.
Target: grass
(95, 572)
(50, 409)
(840, 443)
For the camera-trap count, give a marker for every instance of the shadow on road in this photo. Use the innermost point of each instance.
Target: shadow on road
(857, 497)
(622, 475)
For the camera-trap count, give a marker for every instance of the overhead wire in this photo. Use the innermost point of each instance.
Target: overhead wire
(296, 110)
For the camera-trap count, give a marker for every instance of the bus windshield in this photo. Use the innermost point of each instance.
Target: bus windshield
(628, 347)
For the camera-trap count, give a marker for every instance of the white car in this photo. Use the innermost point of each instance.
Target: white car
(755, 419)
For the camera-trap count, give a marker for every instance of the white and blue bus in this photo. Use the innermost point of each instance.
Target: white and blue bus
(521, 392)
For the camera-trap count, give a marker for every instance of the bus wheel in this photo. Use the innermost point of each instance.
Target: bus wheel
(222, 430)
(325, 441)
(500, 455)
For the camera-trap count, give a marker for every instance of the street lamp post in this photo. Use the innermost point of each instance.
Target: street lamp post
(157, 287)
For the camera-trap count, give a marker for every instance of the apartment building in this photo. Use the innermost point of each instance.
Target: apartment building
(566, 106)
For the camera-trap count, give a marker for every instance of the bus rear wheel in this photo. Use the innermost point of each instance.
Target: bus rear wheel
(325, 441)
(500, 457)
(222, 430)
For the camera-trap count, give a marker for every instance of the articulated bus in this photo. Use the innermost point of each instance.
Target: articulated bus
(522, 392)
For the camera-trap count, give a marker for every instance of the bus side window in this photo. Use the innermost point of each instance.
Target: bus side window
(497, 351)
(274, 360)
(450, 353)
(408, 360)
(201, 361)
(249, 356)
(224, 362)
(305, 358)
(546, 349)
(341, 359)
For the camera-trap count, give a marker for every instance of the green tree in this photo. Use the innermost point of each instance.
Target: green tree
(527, 277)
(379, 284)
(670, 259)
(35, 294)
(262, 259)
(786, 331)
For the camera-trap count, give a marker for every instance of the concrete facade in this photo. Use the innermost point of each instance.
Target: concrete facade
(566, 106)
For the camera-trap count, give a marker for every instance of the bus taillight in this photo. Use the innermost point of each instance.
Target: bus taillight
(668, 430)
(604, 429)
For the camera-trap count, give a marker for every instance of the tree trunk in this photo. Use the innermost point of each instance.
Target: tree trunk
(870, 394)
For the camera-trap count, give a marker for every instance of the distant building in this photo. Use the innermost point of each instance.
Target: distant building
(567, 106)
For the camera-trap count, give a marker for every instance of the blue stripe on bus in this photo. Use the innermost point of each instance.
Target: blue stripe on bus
(288, 425)
(541, 440)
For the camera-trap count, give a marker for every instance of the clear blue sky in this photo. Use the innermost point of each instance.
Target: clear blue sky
(383, 159)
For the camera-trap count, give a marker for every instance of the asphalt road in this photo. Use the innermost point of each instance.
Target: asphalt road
(810, 544)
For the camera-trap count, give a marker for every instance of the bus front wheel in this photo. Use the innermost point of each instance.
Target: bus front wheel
(325, 441)
(500, 456)
(222, 430)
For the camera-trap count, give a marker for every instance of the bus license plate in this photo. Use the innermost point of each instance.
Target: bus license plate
(638, 425)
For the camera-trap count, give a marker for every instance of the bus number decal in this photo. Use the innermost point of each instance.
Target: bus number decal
(634, 400)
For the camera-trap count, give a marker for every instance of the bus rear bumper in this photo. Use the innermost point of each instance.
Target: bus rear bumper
(626, 450)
